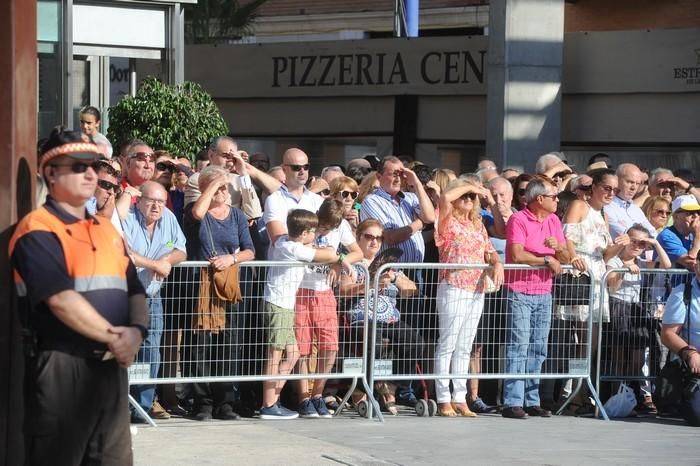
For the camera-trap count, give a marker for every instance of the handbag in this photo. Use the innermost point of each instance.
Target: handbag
(226, 283)
(572, 290)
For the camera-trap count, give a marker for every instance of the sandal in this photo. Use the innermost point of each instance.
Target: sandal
(463, 410)
(445, 409)
(386, 399)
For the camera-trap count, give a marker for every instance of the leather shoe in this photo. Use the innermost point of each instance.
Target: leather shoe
(538, 411)
(203, 415)
(226, 413)
(514, 412)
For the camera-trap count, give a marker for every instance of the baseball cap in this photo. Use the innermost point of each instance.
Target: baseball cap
(686, 202)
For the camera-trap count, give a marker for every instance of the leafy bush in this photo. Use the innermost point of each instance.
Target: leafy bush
(181, 119)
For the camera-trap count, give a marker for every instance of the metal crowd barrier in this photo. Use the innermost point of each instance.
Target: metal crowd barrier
(629, 339)
(207, 340)
(419, 346)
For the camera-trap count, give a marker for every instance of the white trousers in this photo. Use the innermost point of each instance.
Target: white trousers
(459, 312)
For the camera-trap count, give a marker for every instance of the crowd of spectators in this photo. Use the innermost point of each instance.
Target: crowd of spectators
(232, 207)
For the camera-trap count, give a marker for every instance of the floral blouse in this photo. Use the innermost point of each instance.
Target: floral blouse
(463, 242)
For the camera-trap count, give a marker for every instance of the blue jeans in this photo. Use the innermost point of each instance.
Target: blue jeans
(150, 353)
(527, 323)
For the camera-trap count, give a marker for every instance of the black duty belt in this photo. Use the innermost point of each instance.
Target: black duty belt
(78, 351)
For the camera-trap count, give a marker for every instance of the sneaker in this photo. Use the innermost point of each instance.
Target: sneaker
(480, 407)
(406, 397)
(321, 408)
(277, 411)
(514, 412)
(306, 409)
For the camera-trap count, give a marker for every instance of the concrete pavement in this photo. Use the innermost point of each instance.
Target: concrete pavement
(407, 440)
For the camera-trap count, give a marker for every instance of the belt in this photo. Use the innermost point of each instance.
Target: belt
(80, 352)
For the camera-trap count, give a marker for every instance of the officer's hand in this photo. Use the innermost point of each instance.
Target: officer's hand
(126, 345)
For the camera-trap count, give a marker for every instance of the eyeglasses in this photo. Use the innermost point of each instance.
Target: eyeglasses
(370, 238)
(469, 196)
(165, 166)
(691, 213)
(298, 168)
(585, 187)
(149, 200)
(324, 192)
(107, 186)
(663, 212)
(554, 197)
(352, 194)
(76, 167)
(521, 192)
(142, 156)
(99, 165)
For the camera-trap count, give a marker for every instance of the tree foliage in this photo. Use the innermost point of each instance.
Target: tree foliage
(219, 21)
(181, 119)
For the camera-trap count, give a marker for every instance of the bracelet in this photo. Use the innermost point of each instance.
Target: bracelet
(341, 258)
(683, 353)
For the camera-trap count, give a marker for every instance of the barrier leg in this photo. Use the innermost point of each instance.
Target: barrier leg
(342, 404)
(571, 397)
(372, 403)
(141, 412)
(598, 404)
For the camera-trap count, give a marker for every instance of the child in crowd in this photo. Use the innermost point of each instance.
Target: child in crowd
(316, 307)
(280, 293)
(629, 318)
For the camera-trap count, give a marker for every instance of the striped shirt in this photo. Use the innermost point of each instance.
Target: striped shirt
(379, 205)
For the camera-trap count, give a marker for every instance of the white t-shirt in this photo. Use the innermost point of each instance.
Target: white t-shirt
(283, 282)
(631, 284)
(279, 203)
(316, 275)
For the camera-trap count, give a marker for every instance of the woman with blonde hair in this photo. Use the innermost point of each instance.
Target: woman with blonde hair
(461, 238)
(345, 190)
(657, 210)
(368, 185)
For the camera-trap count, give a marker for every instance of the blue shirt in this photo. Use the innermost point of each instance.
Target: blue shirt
(167, 236)
(674, 244)
(623, 214)
(380, 205)
(214, 237)
(676, 312)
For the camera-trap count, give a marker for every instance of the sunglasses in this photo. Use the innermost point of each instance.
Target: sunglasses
(165, 166)
(585, 187)
(521, 192)
(298, 168)
(691, 213)
(666, 185)
(554, 197)
(663, 212)
(107, 167)
(352, 194)
(371, 238)
(607, 189)
(76, 167)
(107, 186)
(469, 196)
(324, 192)
(142, 156)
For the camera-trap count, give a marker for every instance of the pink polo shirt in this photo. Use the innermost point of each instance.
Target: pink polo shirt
(524, 228)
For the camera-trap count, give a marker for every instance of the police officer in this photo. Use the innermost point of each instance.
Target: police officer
(84, 313)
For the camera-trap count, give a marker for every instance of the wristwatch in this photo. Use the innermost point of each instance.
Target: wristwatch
(546, 260)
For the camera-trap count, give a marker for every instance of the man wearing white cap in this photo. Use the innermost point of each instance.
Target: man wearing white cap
(681, 240)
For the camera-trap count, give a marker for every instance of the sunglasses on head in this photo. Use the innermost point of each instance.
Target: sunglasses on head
(324, 192)
(142, 156)
(369, 237)
(352, 194)
(107, 186)
(469, 196)
(100, 165)
(76, 167)
(297, 168)
(165, 166)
